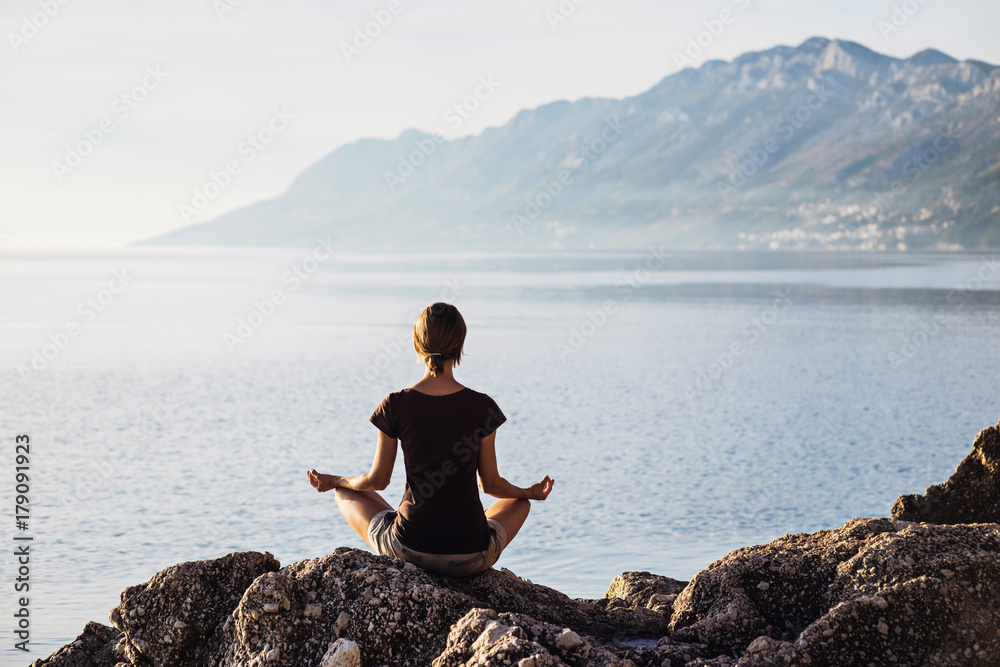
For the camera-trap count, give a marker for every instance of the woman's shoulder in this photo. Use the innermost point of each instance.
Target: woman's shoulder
(487, 403)
(393, 398)
(481, 395)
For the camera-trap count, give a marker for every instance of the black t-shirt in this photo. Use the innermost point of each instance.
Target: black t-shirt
(440, 436)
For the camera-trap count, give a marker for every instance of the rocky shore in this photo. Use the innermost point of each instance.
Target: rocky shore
(920, 588)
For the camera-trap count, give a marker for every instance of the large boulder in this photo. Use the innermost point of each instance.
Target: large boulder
(640, 604)
(644, 589)
(243, 610)
(504, 591)
(873, 591)
(176, 618)
(971, 495)
(97, 646)
(394, 612)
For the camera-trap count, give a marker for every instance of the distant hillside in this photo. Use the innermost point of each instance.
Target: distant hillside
(827, 144)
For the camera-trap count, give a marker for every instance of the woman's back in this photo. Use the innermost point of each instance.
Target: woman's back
(448, 436)
(440, 437)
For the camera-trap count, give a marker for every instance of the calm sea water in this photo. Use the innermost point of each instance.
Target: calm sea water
(686, 405)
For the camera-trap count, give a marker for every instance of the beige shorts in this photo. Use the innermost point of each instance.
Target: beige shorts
(448, 565)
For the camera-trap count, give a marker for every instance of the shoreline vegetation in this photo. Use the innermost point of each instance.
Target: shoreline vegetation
(918, 588)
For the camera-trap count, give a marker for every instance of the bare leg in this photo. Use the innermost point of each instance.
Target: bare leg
(511, 513)
(358, 507)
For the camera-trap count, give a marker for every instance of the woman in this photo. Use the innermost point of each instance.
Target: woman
(447, 433)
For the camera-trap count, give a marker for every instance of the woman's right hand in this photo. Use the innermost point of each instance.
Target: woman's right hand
(321, 481)
(541, 490)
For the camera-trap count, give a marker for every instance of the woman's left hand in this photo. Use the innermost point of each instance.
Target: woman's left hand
(541, 490)
(321, 481)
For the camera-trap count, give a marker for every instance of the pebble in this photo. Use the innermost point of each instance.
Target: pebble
(341, 623)
(342, 653)
(567, 640)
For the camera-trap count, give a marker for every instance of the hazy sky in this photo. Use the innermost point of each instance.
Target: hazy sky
(159, 95)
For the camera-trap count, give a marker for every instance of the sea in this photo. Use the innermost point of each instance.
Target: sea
(687, 404)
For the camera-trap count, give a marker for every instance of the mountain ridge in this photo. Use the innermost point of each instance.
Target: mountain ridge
(824, 145)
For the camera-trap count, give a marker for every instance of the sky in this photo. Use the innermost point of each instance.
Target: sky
(118, 114)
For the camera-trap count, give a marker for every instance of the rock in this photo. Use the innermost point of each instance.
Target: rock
(504, 591)
(871, 592)
(761, 644)
(342, 653)
(199, 594)
(95, 647)
(971, 495)
(867, 590)
(359, 592)
(872, 588)
(639, 589)
(724, 607)
(342, 620)
(631, 591)
(637, 604)
(484, 638)
(408, 623)
(241, 609)
(567, 640)
(670, 652)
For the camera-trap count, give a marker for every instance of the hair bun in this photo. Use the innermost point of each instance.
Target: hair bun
(439, 327)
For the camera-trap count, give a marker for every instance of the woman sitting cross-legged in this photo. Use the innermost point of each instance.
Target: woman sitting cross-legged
(447, 433)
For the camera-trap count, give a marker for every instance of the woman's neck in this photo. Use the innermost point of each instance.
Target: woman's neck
(442, 383)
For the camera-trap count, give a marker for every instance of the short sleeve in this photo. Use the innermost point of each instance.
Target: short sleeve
(493, 417)
(383, 418)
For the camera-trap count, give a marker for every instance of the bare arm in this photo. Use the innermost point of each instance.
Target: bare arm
(375, 479)
(493, 484)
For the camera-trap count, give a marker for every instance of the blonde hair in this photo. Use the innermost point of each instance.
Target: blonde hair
(439, 335)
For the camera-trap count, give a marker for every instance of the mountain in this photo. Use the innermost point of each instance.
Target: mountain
(824, 145)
